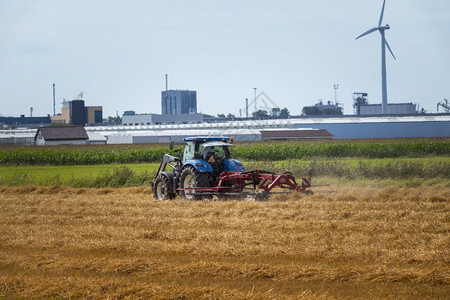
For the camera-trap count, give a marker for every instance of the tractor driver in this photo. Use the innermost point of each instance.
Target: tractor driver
(209, 154)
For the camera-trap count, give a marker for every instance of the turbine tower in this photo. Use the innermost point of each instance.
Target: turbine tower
(384, 44)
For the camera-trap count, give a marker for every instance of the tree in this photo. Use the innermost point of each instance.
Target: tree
(231, 116)
(311, 111)
(260, 114)
(315, 111)
(113, 120)
(221, 115)
(284, 113)
(275, 112)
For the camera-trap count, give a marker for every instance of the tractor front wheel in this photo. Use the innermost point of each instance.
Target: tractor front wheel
(162, 189)
(190, 179)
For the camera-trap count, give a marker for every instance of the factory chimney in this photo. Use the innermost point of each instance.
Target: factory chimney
(246, 108)
(167, 83)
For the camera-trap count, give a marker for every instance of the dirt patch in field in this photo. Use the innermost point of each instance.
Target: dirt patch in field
(58, 242)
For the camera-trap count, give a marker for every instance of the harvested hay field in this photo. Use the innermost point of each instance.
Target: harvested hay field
(362, 243)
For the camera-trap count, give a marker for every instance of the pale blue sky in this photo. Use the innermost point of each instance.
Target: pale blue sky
(118, 52)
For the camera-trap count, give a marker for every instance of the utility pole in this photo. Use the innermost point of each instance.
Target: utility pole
(256, 107)
(54, 95)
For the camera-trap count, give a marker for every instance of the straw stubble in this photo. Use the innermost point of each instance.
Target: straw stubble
(94, 243)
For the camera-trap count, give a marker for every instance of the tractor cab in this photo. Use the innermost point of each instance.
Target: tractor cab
(200, 148)
(210, 154)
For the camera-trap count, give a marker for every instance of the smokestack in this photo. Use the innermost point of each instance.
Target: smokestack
(246, 108)
(54, 112)
(167, 83)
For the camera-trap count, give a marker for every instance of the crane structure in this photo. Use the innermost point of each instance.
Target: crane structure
(445, 105)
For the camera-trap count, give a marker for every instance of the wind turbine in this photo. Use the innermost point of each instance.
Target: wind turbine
(384, 44)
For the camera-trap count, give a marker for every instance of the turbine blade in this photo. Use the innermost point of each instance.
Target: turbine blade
(387, 44)
(367, 32)
(382, 13)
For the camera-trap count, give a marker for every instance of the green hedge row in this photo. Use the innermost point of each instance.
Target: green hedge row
(283, 151)
(400, 169)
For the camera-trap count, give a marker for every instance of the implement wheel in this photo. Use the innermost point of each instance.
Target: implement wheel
(261, 196)
(162, 189)
(191, 178)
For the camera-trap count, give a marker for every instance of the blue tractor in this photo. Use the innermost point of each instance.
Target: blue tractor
(195, 176)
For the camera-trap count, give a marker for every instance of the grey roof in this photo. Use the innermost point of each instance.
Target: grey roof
(216, 144)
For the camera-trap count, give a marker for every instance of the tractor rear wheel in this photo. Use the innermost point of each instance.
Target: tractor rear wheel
(190, 179)
(162, 189)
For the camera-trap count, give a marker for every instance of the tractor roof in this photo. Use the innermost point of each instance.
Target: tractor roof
(215, 144)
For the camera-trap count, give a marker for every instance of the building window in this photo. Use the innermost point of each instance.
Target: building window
(98, 116)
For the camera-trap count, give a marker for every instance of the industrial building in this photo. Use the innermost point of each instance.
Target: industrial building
(241, 131)
(347, 127)
(374, 127)
(24, 122)
(295, 134)
(132, 119)
(93, 115)
(76, 113)
(363, 108)
(178, 102)
(392, 109)
(177, 107)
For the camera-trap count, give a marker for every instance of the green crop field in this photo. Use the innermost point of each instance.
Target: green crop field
(267, 151)
(398, 171)
(110, 175)
(404, 161)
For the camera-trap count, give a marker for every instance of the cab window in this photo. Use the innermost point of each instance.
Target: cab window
(189, 151)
